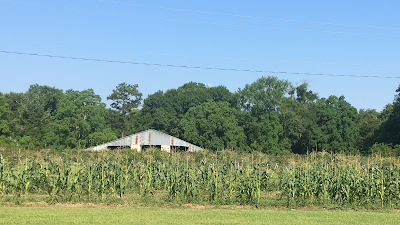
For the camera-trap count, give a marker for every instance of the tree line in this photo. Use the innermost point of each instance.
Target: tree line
(269, 115)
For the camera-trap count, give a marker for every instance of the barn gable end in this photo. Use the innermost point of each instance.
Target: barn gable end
(148, 138)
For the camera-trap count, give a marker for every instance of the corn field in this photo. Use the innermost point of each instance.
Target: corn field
(201, 179)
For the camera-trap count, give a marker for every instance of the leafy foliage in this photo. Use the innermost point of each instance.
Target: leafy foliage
(126, 98)
(269, 115)
(213, 125)
(368, 124)
(36, 109)
(264, 99)
(321, 179)
(79, 121)
(390, 130)
(336, 126)
(4, 129)
(163, 111)
(264, 95)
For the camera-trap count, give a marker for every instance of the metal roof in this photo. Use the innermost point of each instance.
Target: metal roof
(148, 137)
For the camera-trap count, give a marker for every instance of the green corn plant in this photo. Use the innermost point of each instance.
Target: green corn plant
(4, 176)
(173, 183)
(89, 178)
(214, 183)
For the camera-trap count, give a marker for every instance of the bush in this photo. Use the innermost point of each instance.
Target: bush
(385, 150)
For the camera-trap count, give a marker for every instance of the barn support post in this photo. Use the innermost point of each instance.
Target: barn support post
(166, 148)
(137, 147)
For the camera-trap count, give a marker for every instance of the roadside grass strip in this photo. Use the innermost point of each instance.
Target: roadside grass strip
(155, 215)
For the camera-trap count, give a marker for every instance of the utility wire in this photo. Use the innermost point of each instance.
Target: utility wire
(250, 17)
(205, 23)
(196, 67)
(200, 57)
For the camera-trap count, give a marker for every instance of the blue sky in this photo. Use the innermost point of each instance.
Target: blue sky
(157, 35)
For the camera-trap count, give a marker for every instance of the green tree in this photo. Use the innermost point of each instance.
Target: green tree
(264, 95)
(116, 121)
(164, 111)
(304, 96)
(336, 127)
(298, 117)
(390, 128)
(4, 129)
(161, 111)
(36, 109)
(79, 121)
(213, 125)
(126, 98)
(386, 112)
(266, 100)
(368, 124)
(266, 134)
(12, 117)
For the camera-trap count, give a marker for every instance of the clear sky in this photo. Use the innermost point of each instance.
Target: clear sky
(270, 35)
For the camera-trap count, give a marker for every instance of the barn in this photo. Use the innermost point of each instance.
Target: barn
(148, 138)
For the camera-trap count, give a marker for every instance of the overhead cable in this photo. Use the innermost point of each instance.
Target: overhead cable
(197, 67)
(207, 23)
(250, 17)
(201, 57)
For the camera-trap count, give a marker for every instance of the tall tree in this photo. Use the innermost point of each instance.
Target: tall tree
(368, 124)
(266, 134)
(264, 95)
(12, 117)
(36, 109)
(164, 111)
(126, 97)
(390, 130)
(298, 116)
(4, 127)
(336, 126)
(79, 121)
(213, 125)
(265, 99)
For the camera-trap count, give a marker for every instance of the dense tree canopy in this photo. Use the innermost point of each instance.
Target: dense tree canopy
(368, 124)
(391, 125)
(79, 121)
(4, 129)
(165, 110)
(213, 125)
(264, 99)
(126, 97)
(35, 111)
(269, 115)
(336, 127)
(266, 94)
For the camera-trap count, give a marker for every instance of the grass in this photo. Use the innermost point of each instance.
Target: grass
(157, 215)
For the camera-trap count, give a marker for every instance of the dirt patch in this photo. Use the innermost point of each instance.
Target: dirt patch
(193, 206)
(76, 205)
(243, 207)
(36, 204)
(189, 206)
(9, 204)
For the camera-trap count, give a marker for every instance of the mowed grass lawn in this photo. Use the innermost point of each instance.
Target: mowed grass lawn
(152, 215)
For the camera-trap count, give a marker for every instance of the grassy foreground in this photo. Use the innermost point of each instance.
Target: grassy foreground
(152, 215)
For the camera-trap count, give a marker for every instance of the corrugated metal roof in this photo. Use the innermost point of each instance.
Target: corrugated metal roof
(147, 137)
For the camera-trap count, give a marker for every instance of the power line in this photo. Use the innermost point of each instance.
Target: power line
(205, 23)
(250, 17)
(200, 57)
(195, 67)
